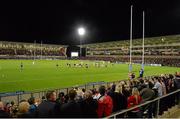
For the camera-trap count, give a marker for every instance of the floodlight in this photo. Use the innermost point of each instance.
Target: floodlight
(81, 31)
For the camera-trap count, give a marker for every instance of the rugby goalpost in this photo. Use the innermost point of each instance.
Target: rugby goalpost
(130, 48)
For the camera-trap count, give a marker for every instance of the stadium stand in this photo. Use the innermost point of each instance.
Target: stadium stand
(163, 50)
(103, 102)
(21, 50)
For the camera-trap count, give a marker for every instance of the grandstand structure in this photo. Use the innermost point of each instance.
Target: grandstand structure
(31, 50)
(159, 50)
(164, 50)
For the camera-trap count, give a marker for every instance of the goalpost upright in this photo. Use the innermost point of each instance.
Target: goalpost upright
(41, 49)
(130, 48)
(34, 49)
(143, 41)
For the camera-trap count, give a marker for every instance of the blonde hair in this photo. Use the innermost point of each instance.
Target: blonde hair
(88, 94)
(118, 88)
(135, 91)
(23, 107)
(1, 105)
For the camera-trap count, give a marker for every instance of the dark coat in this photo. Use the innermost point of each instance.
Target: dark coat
(71, 109)
(177, 82)
(46, 109)
(119, 102)
(89, 108)
(4, 114)
(147, 94)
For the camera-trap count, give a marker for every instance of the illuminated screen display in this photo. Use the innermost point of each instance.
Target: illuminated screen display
(74, 54)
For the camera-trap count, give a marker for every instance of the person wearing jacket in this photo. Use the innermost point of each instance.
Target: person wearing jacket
(105, 103)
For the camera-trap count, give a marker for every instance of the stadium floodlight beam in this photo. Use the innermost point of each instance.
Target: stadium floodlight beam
(81, 33)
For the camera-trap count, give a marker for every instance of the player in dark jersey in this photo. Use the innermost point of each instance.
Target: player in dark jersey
(21, 66)
(57, 65)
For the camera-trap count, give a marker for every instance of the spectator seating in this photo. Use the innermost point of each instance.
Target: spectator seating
(29, 49)
(159, 46)
(83, 103)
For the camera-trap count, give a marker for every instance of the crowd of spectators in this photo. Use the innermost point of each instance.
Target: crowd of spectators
(164, 61)
(31, 52)
(81, 103)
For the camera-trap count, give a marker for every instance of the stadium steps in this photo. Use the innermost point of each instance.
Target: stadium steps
(173, 112)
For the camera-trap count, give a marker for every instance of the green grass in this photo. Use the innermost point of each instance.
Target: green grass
(44, 74)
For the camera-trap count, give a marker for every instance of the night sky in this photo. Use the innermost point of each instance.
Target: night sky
(55, 22)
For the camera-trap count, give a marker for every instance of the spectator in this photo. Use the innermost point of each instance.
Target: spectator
(23, 110)
(60, 98)
(66, 98)
(89, 105)
(163, 86)
(33, 107)
(43, 98)
(3, 113)
(71, 109)
(147, 93)
(8, 108)
(164, 100)
(177, 85)
(158, 86)
(177, 80)
(80, 94)
(83, 90)
(134, 100)
(59, 101)
(105, 103)
(96, 94)
(119, 101)
(126, 90)
(46, 108)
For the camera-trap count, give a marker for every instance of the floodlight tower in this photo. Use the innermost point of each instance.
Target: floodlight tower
(81, 32)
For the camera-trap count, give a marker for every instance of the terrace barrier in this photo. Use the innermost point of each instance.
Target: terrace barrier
(156, 103)
(21, 95)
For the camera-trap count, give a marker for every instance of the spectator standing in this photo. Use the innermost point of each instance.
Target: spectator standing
(158, 86)
(59, 102)
(46, 108)
(148, 94)
(89, 105)
(71, 109)
(119, 99)
(23, 110)
(3, 113)
(177, 85)
(33, 107)
(105, 103)
(134, 100)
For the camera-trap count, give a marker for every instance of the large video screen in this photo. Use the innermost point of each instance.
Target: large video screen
(74, 54)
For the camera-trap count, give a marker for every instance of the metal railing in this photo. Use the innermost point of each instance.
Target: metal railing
(157, 101)
(18, 96)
